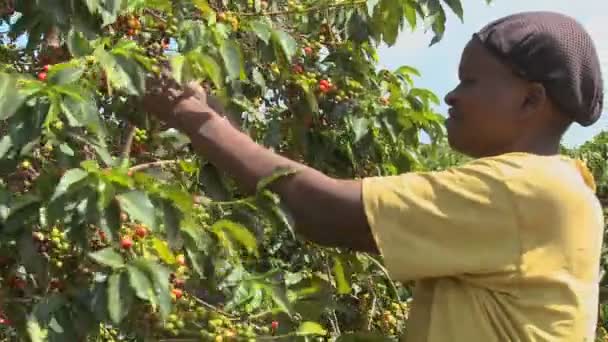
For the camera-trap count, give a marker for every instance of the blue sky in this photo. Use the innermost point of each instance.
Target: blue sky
(439, 63)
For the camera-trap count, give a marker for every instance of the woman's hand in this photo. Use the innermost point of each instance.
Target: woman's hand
(177, 106)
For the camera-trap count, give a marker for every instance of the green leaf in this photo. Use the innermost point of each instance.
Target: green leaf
(233, 60)
(202, 5)
(262, 30)
(258, 78)
(119, 297)
(122, 72)
(65, 73)
(360, 128)
(109, 11)
(342, 283)
(456, 7)
(271, 204)
(171, 218)
(109, 220)
(408, 70)
(410, 14)
(286, 42)
(82, 112)
(141, 284)
(136, 75)
(311, 328)
(78, 45)
(69, 180)
(279, 296)
(236, 232)
(276, 175)
(160, 283)
(213, 70)
(108, 257)
(11, 99)
(177, 66)
(139, 207)
(438, 20)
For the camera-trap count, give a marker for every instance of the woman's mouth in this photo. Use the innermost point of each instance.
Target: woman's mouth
(452, 113)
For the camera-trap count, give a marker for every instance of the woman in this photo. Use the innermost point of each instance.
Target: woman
(505, 248)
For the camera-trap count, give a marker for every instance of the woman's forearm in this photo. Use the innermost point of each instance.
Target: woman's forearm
(326, 210)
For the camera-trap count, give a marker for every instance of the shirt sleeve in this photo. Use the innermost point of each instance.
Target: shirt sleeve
(454, 222)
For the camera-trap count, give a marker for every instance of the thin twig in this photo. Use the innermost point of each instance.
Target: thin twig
(126, 150)
(390, 280)
(155, 15)
(158, 163)
(333, 319)
(304, 10)
(372, 311)
(211, 307)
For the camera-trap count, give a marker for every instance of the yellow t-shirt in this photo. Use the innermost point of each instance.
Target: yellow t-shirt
(504, 248)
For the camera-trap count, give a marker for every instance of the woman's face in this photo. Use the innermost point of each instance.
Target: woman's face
(486, 106)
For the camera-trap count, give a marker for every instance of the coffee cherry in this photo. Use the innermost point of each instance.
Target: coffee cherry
(46, 68)
(181, 260)
(42, 76)
(298, 69)
(141, 232)
(177, 293)
(308, 51)
(126, 243)
(274, 325)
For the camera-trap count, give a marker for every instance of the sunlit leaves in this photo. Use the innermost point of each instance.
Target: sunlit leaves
(228, 231)
(311, 328)
(242, 247)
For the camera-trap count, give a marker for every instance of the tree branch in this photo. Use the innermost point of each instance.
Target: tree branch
(158, 163)
(155, 15)
(304, 10)
(126, 150)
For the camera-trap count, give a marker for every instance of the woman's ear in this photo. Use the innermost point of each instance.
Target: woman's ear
(535, 98)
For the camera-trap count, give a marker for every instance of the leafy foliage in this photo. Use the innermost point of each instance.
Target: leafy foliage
(113, 229)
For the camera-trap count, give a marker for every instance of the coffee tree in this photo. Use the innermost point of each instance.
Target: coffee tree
(112, 229)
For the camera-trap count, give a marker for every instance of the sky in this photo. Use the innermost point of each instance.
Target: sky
(438, 64)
